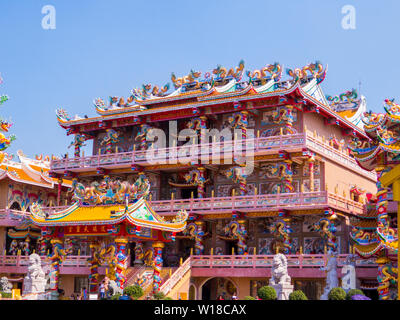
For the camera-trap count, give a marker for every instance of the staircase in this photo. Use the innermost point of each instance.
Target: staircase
(174, 284)
(148, 285)
(133, 273)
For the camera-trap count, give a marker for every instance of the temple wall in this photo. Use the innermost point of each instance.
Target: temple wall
(3, 193)
(67, 283)
(3, 234)
(343, 179)
(315, 122)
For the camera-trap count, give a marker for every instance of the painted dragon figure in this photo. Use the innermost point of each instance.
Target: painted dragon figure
(78, 143)
(111, 138)
(222, 73)
(327, 230)
(196, 178)
(56, 258)
(316, 71)
(236, 230)
(121, 262)
(284, 172)
(281, 230)
(195, 231)
(387, 275)
(110, 190)
(285, 116)
(239, 121)
(109, 256)
(190, 79)
(348, 96)
(139, 252)
(141, 137)
(199, 125)
(95, 261)
(4, 141)
(237, 175)
(141, 187)
(274, 70)
(157, 267)
(148, 257)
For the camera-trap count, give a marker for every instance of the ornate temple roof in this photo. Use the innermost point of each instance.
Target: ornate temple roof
(29, 171)
(383, 144)
(139, 214)
(218, 87)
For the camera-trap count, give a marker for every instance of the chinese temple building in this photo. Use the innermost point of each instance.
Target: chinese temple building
(23, 183)
(191, 188)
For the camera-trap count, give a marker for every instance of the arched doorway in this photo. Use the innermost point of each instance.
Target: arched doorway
(192, 292)
(214, 287)
(15, 206)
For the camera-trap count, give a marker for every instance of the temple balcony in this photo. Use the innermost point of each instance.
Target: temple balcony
(259, 203)
(251, 205)
(257, 146)
(253, 266)
(71, 265)
(299, 266)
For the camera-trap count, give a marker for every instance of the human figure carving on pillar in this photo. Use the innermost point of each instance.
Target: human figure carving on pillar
(280, 280)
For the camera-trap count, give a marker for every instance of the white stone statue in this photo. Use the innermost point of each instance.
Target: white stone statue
(5, 285)
(115, 288)
(35, 280)
(349, 271)
(331, 275)
(280, 279)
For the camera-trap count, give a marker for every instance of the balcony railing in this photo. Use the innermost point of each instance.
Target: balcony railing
(256, 146)
(299, 261)
(259, 203)
(215, 205)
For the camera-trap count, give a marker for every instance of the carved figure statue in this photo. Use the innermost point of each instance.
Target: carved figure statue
(280, 279)
(5, 285)
(279, 270)
(35, 280)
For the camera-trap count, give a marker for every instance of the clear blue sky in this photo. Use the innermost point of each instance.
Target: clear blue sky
(102, 47)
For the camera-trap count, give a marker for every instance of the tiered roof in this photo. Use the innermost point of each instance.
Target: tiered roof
(193, 93)
(29, 171)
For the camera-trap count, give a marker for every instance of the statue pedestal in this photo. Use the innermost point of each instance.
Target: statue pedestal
(34, 286)
(283, 290)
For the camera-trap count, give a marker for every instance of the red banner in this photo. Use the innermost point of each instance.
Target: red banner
(87, 230)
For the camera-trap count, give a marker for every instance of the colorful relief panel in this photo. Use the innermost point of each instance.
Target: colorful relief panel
(268, 116)
(317, 185)
(25, 195)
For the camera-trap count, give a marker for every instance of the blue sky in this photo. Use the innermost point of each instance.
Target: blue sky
(101, 48)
